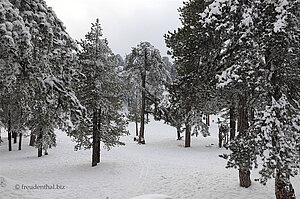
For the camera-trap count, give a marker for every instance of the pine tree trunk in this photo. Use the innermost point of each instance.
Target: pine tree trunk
(136, 127)
(40, 146)
(207, 120)
(32, 140)
(178, 133)
(244, 176)
(0, 136)
(232, 122)
(142, 127)
(283, 188)
(9, 132)
(187, 129)
(20, 141)
(220, 139)
(9, 141)
(99, 131)
(15, 135)
(40, 151)
(95, 140)
(46, 152)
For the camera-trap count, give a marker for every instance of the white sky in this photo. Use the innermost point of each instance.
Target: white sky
(125, 23)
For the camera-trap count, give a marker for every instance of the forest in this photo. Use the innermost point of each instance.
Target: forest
(235, 59)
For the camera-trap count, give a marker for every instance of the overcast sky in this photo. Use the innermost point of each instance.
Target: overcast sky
(125, 23)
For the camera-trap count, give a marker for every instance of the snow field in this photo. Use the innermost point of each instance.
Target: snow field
(162, 168)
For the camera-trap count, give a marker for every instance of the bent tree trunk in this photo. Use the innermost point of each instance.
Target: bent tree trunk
(283, 187)
(187, 128)
(244, 173)
(95, 140)
(142, 128)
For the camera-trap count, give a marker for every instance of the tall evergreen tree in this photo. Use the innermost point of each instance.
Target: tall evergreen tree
(100, 92)
(146, 67)
(37, 63)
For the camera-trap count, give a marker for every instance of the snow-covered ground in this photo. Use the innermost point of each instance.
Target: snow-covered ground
(162, 168)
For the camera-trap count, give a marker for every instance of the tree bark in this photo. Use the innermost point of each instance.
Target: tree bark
(40, 151)
(32, 140)
(220, 139)
(20, 141)
(207, 120)
(187, 129)
(95, 140)
(0, 136)
(15, 135)
(244, 174)
(99, 137)
(40, 146)
(9, 132)
(283, 188)
(178, 133)
(142, 127)
(232, 122)
(136, 127)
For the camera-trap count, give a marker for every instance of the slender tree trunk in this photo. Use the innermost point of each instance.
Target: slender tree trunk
(15, 135)
(95, 140)
(46, 152)
(40, 151)
(244, 174)
(283, 188)
(136, 127)
(232, 122)
(20, 141)
(178, 132)
(99, 137)
(142, 127)
(187, 129)
(0, 136)
(32, 140)
(207, 120)
(220, 138)
(40, 146)
(147, 118)
(9, 132)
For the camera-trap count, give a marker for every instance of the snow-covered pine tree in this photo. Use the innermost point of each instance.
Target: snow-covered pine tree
(100, 92)
(276, 126)
(146, 67)
(261, 56)
(15, 49)
(193, 48)
(236, 68)
(43, 62)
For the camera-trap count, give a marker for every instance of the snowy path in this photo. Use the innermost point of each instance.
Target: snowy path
(162, 166)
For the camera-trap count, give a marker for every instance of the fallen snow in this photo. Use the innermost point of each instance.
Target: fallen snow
(152, 196)
(161, 168)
